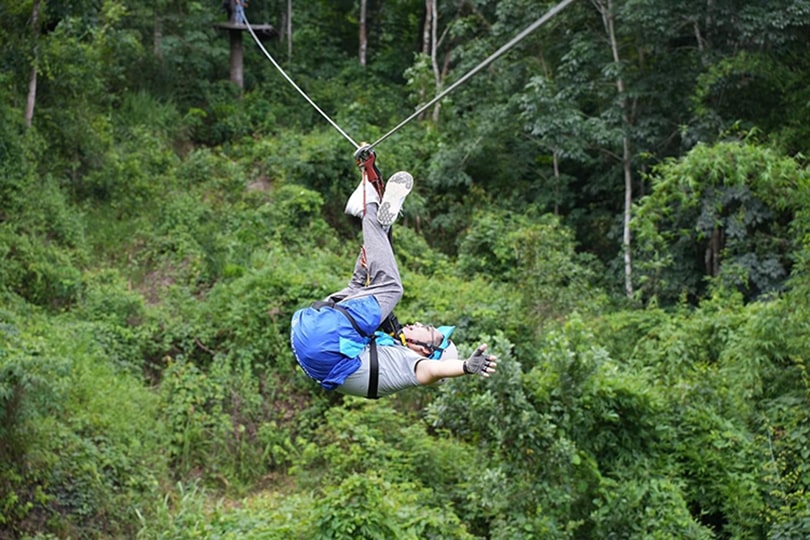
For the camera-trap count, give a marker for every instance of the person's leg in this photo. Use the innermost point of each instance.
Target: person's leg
(382, 272)
(356, 283)
(374, 266)
(380, 275)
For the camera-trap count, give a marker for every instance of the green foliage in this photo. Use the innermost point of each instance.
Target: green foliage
(721, 211)
(119, 316)
(363, 506)
(42, 273)
(362, 436)
(42, 238)
(81, 441)
(645, 507)
(617, 436)
(159, 226)
(193, 413)
(133, 174)
(735, 377)
(538, 254)
(224, 119)
(785, 445)
(505, 494)
(231, 390)
(346, 452)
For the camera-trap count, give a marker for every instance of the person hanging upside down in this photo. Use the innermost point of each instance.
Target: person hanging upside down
(336, 341)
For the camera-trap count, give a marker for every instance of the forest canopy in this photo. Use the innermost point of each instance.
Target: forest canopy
(619, 206)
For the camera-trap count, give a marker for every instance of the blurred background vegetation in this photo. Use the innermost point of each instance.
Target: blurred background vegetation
(620, 207)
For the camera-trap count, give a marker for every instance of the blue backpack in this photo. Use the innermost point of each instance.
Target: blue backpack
(327, 338)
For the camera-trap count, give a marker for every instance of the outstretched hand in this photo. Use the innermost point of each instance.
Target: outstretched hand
(481, 363)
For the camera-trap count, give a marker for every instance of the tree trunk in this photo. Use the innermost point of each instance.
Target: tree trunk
(363, 35)
(556, 161)
(430, 47)
(434, 45)
(32, 79)
(32, 95)
(237, 59)
(429, 12)
(426, 44)
(606, 9)
(628, 206)
(157, 38)
(289, 30)
(713, 249)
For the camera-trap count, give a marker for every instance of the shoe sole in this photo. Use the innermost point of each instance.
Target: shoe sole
(396, 189)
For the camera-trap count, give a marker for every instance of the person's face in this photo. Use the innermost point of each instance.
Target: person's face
(422, 338)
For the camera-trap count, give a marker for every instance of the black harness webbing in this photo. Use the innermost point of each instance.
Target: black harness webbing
(374, 365)
(373, 370)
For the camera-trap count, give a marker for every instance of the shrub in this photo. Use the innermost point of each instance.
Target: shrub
(537, 254)
(82, 438)
(366, 506)
(42, 242)
(727, 211)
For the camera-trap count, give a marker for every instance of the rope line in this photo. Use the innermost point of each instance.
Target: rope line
(494, 56)
(303, 94)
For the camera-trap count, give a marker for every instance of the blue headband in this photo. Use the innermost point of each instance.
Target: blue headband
(445, 331)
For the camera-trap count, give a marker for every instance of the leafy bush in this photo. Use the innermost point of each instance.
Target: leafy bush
(193, 413)
(538, 254)
(722, 211)
(42, 273)
(527, 466)
(224, 117)
(135, 173)
(366, 506)
(360, 506)
(231, 388)
(42, 240)
(81, 437)
(736, 389)
(644, 506)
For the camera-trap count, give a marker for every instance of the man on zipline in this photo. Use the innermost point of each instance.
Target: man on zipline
(336, 341)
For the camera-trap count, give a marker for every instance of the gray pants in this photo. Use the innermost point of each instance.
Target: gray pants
(384, 283)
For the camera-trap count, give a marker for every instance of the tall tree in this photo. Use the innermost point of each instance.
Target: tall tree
(558, 126)
(32, 79)
(430, 47)
(363, 38)
(288, 27)
(605, 8)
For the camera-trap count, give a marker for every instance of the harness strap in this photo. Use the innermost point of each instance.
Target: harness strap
(373, 371)
(374, 365)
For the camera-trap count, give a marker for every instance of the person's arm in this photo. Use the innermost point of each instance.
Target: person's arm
(431, 371)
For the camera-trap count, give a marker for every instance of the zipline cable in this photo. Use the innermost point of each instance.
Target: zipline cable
(494, 56)
(289, 80)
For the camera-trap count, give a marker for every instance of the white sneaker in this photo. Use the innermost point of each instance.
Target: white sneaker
(354, 206)
(396, 189)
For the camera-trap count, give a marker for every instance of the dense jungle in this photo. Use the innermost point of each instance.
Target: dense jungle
(619, 206)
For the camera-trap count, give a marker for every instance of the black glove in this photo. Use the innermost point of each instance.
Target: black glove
(478, 362)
